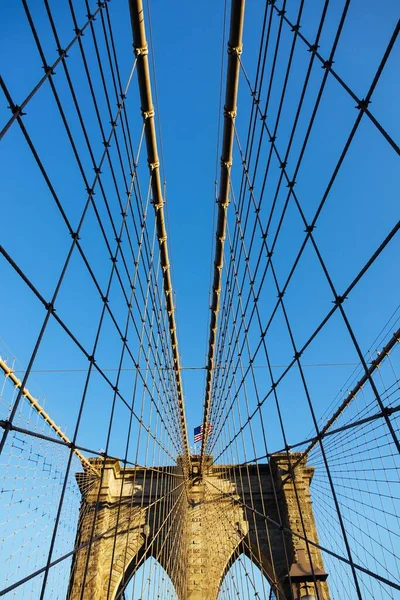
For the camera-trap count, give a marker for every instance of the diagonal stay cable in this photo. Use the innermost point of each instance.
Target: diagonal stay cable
(309, 232)
(17, 109)
(283, 163)
(364, 379)
(362, 103)
(74, 551)
(299, 536)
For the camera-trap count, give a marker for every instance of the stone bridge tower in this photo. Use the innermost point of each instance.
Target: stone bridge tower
(207, 523)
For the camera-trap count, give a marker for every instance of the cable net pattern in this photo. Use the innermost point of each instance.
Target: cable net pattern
(295, 491)
(305, 304)
(92, 300)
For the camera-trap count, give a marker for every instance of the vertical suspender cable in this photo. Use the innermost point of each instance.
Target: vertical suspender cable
(143, 71)
(232, 85)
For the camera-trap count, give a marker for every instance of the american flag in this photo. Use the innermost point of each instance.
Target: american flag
(198, 432)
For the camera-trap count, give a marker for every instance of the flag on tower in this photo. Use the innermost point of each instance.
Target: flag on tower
(198, 432)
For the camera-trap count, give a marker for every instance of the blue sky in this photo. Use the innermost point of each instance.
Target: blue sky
(361, 208)
(188, 62)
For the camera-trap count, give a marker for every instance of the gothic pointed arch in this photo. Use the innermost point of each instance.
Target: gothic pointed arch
(256, 557)
(244, 576)
(161, 555)
(144, 577)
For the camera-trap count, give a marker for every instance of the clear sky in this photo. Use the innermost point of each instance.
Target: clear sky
(187, 48)
(187, 44)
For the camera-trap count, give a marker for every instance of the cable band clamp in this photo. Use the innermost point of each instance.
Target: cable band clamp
(235, 49)
(141, 51)
(230, 113)
(226, 163)
(147, 114)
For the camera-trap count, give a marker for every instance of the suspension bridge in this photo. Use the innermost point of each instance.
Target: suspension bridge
(291, 492)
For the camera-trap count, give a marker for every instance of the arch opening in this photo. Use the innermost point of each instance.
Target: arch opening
(147, 582)
(244, 580)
